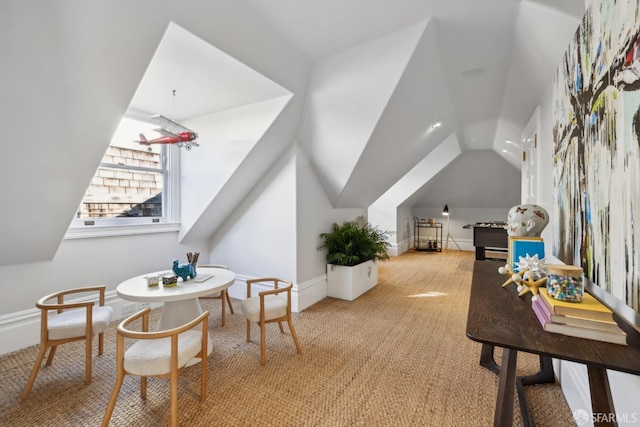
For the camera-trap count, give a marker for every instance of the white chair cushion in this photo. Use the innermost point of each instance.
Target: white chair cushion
(274, 306)
(153, 356)
(72, 323)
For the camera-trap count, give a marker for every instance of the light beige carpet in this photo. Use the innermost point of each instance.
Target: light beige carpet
(397, 356)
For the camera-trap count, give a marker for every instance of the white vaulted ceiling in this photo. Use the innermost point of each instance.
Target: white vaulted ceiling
(384, 72)
(480, 67)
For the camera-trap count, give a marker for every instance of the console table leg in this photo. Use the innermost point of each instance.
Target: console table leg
(543, 376)
(601, 400)
(503, 416)
(487, 360)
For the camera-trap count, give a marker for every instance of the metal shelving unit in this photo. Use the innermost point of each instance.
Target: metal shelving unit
(427, 236)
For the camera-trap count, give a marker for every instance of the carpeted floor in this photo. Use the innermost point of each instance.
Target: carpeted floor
(397, 356)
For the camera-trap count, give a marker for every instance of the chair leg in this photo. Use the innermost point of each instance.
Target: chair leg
(52, 353)
(224, 310)
(295, 337)
(174, 396)
(226, 292)
(34, 371)
(263, 357)
(100, 343)
(143, 387)
(281, 328)
(203, 375)
(112, 401)
(87, 368)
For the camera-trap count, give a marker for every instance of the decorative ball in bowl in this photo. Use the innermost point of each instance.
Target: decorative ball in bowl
(169, 280)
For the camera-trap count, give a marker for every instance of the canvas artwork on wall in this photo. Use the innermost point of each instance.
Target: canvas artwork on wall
(597, 151)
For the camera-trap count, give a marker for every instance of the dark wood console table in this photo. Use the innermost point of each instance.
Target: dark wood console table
(498, 317)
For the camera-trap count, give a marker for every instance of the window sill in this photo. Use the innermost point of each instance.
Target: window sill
(122, 230)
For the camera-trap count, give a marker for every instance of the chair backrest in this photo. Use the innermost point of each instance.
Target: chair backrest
(269, 307)
(279, 286)
(213, 266)
(145, 334)
(77, 320)
(153, 355)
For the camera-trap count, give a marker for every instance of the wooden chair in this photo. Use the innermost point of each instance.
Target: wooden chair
(73, 321)
(268, 307)
(160, 354)
(223, 295)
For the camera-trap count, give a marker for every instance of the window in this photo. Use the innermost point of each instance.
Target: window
(134, 184)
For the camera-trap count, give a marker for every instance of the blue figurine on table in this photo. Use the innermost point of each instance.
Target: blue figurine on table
(186, 271)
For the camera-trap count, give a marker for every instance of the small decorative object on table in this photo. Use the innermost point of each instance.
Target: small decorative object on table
(192, 257)
(565, 283)
(186, 271)
(153, 280)
(531, 274)
(169, 280)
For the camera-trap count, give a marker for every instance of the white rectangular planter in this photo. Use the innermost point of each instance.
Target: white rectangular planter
(349, 283)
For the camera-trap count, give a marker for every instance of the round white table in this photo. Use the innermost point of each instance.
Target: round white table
(181, 304)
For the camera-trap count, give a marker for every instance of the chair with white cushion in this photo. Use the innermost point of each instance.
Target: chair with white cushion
(273, 305)
(160, 354)
(223, 295)
(73, 321)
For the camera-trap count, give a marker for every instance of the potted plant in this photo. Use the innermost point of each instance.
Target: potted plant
(353, 250)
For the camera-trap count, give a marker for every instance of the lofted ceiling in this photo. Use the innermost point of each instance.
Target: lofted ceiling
(491, 60)
(480, 67)
(498, 56)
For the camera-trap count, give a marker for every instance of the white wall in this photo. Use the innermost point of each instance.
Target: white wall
(259, 240)
(384, 211)
(475, 179)
(314, 213)
(225, 138)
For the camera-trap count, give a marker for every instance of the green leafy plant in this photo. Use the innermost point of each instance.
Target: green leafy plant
(355, 242)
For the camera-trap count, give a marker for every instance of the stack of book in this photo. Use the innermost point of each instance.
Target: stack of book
(589, 319)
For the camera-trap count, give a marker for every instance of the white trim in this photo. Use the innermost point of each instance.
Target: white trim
(574, 381)
(121, 230)
(310, 292)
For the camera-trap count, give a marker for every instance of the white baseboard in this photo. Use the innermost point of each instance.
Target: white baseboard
(303, 295)
(574, 381)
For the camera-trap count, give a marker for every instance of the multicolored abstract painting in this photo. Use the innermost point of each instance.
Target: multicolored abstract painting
(597, 149)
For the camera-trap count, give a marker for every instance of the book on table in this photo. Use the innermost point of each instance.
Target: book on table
(614, 335)
(589, 308)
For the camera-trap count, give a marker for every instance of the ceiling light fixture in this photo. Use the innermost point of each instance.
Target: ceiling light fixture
(436, 124)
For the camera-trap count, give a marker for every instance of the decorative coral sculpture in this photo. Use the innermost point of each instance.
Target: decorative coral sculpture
(531, 274)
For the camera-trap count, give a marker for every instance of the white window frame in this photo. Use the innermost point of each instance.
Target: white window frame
(168, 222)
